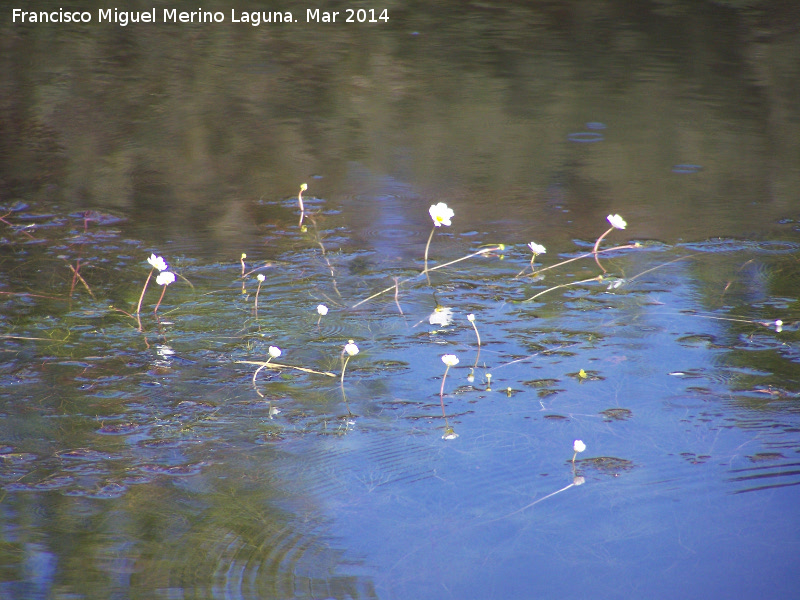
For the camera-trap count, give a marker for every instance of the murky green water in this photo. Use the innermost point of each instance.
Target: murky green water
(140, 458)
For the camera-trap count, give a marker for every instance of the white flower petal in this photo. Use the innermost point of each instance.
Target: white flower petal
(441, 214)
(165, 278)
(617, 221)
(442, 316)
(451, 360)
(157, 262)
(537, 248)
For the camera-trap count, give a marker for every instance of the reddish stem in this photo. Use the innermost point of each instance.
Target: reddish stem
(163, 291)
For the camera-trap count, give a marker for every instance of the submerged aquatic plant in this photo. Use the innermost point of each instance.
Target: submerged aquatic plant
(441, 215)
(157, 263)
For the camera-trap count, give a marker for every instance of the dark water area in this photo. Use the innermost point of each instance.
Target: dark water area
(162, 455)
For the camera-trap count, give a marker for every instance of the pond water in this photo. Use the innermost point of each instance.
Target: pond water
(149, 455)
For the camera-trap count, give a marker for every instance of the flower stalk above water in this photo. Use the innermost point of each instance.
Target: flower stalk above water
(163, 279)
(322, 310)
(303, 188)
(536, 249)
(441, 215)
(351, 350)
(471, 319)
(157, 263)
(577, 446)
(260, 277)
(274, 352)
(617, 222)
(450, 360)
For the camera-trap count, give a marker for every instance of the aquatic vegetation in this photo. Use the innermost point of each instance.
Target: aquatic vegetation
(158, 264)
(163, 279)
(450, 360)
(303, 188)
(536, 250)
(441, 215)
(350, 349)
(617, 222)
(471, 319)
(322, 310)
(441, 316)
(475, 285)
(260, 278)
(577, 446)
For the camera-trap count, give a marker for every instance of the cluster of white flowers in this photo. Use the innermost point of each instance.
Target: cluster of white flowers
(164, 277)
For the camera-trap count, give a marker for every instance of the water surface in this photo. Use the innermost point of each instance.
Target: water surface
(138, 456)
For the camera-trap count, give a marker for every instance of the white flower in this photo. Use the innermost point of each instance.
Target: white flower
(451, 360)
(322, 310)
(442, 316)
(578, 446)
(537, 248)
(274, 351)
(260, 278)
(351, 348)
(449, 434)
(441, 214)
(470, 317)
(165, 278)
(157, 262)
(617, 221)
